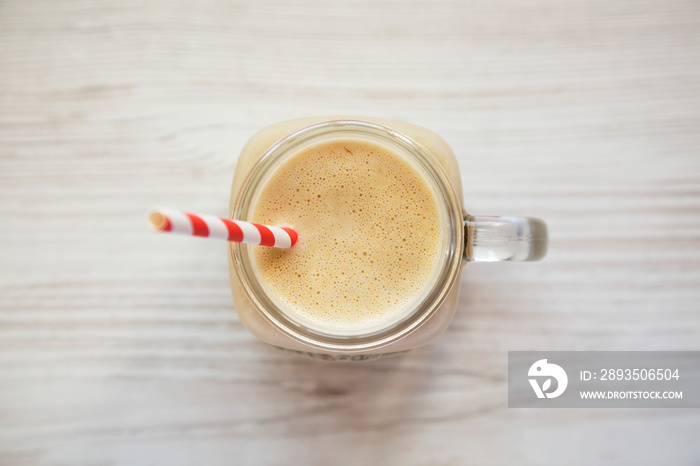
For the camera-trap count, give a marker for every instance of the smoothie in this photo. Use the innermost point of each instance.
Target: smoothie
(370, 236)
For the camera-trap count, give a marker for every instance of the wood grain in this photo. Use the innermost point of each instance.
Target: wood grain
(122, 347)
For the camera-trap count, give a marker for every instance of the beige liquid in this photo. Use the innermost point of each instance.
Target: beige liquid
(249, 314)
(370, 236)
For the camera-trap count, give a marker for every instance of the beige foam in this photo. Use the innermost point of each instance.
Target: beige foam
(369, 234)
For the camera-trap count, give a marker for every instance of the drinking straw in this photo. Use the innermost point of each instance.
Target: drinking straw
(208, 226)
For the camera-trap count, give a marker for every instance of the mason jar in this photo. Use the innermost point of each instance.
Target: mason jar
(465, 238)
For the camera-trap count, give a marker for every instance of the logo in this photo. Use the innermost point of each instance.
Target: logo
(542, 369)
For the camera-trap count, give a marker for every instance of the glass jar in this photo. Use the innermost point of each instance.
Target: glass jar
(466, 238)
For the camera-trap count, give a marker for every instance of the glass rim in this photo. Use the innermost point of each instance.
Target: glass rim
(447, 272)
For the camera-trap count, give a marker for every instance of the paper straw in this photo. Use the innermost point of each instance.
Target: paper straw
(208, 226)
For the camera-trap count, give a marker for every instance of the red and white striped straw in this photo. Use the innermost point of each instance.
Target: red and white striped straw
(208, 226)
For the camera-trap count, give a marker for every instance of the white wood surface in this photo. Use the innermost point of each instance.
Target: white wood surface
(121, 347)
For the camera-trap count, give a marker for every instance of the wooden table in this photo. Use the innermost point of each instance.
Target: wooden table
(122, 347)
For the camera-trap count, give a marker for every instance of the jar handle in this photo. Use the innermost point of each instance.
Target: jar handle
(493, 239)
